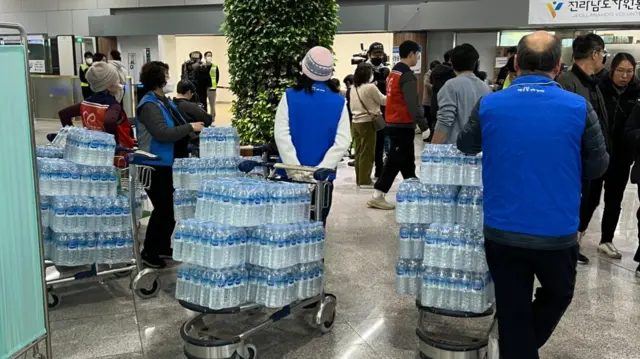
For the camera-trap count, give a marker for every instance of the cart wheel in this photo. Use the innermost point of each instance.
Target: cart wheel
(252, 352)
(123, 274)
(53, 299)
(146, 293)
(327, 326)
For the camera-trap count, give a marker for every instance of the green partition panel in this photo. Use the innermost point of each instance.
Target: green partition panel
(22, 311)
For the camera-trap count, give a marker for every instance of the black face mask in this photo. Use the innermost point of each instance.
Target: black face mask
(376, 61)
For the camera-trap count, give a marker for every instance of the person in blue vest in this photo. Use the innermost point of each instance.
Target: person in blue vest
(312, 120)
(538, 142)
(162, 131)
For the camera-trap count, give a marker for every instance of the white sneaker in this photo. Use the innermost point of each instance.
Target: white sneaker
(610, 250)
(380, 203)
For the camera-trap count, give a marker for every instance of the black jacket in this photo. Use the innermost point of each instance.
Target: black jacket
(192, 112)
(439, 75)
(586, 86)
(619, 104)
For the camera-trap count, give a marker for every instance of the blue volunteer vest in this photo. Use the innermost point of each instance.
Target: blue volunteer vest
(162, 149)
(313, 122)
(532, 164)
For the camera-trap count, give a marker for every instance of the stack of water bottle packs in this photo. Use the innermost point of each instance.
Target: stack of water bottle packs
(441, 258)
(188, 172)
(49, 152)
(444, 164)
(250, 241)
(84, 219)
(219, 142)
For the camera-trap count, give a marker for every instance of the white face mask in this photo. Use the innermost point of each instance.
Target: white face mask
(89, 61)
(169, 87)
(209, 59)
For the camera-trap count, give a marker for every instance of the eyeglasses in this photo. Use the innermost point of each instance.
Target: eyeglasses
(628, 72)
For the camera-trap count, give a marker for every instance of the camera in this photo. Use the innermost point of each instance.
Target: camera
(363, 56)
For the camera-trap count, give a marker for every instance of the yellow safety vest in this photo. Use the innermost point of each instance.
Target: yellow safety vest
(84, 67)
(212, 73)
(507, 82)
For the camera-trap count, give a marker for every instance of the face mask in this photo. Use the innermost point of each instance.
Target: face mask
(209, 59)
(376, 61)
(89, 61)
(168, 88)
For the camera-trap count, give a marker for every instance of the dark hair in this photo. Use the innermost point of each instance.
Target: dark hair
(185, 86)
(160, 63)
(362, 75)
(335, 82)
(115, 54)
(198, 53)
(98, 56)
(622, 56)
(530, 60)
(88, 54)
(306, 84)
(433, 64)
(464, 57)
(348, 80)
(407, 47)
(585, 45)
(512, 50)
(153, 76)
(208, 53)
(511, 64)
(447, 55)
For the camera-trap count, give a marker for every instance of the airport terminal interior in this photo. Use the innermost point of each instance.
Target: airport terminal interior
(103, 317)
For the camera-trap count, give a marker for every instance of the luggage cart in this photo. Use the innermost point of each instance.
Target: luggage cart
(202, 341)
(146, 282)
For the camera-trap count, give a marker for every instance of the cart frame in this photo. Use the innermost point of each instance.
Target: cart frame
(200, 340)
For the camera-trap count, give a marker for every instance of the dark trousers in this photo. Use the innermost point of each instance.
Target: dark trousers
(86, 92)
(431, 121)
(202, 97)
(615, 182)
(637, 256)
(400, 159)
(162, 222)
(525, 326)
(379, 154)
(325, 208)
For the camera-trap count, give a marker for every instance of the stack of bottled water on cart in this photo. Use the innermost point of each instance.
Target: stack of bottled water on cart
(248, 240)
(84, 219)
(441, 258)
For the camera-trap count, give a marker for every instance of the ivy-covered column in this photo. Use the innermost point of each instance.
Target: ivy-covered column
(267, 41)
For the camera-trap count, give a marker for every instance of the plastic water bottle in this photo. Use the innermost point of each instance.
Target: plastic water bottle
(406, 245)
(473, 170)
(402, 277)
(416, 242)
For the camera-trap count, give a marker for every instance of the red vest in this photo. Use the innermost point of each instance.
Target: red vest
(93, 116)
(396, 111)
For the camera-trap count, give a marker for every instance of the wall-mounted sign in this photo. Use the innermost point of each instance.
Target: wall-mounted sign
(37, 66)
(545, 12)
(395, 58)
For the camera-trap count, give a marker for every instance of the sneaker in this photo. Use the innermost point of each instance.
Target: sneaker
(582, 259)
(610, 250)
(166, 254)
(365, 186)
(153, 260)
(380, 203)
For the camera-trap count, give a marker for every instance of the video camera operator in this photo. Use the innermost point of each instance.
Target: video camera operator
(197, 72)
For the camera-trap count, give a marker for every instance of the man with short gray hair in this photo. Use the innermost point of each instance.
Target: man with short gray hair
(538, 142)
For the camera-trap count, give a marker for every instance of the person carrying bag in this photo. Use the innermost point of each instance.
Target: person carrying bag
(365, 102)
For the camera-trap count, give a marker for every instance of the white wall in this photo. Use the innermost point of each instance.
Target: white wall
(345, 45)
(137, 45)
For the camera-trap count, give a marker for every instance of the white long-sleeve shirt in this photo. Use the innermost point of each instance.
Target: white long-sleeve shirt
(285, 145)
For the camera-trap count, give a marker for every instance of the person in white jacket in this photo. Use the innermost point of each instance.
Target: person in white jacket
(116, 60)
(312, 121)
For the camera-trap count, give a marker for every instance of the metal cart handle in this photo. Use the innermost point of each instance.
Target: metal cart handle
(136, 157)
(319, 174)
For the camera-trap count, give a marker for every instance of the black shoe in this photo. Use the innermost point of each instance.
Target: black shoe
(352, 156)
(351, 163)
(153, 260)
(582, 259)
(166, 254)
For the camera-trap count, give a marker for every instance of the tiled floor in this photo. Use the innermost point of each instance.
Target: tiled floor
(104, 319)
